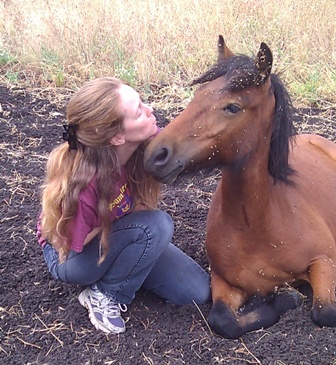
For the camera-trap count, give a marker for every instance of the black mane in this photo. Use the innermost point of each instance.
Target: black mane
(240, 72)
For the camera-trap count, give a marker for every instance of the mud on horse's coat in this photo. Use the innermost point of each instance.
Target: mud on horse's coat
(272, 220)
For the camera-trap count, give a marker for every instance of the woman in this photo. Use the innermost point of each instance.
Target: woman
(99, 225)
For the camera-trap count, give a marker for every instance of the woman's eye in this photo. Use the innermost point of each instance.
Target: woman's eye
(232, 108)
(139, 112)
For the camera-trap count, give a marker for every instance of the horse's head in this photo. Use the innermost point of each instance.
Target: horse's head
(231, 111)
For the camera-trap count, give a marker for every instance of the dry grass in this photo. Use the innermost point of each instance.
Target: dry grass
(152, 42)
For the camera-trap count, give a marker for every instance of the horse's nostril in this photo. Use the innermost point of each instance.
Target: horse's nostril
(162, 156)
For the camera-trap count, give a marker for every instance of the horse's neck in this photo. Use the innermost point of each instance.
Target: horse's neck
(246, 198)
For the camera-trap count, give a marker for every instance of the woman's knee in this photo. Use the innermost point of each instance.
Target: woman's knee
(160, 225)
(163, 223)
(147, 230)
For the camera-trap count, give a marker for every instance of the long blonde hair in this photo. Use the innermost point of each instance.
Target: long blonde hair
(95, 111)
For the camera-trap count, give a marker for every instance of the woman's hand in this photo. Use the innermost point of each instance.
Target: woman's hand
(91, 235)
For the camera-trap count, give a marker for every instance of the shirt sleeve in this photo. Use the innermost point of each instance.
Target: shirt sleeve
(85, 220)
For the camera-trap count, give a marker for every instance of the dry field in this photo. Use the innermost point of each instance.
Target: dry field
(150, 42)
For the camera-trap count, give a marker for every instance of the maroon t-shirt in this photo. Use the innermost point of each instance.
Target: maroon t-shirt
(86, 218)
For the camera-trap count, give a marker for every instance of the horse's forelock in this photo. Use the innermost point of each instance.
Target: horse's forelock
(240, 72)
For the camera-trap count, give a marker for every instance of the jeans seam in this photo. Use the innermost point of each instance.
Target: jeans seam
(148, 239)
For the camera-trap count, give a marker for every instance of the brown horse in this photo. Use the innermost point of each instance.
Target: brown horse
(272, 219)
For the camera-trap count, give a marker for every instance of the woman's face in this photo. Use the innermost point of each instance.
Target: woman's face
(139, 121)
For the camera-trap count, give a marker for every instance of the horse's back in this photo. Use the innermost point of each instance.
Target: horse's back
(320, 144)
(314, 157)
(314, 161)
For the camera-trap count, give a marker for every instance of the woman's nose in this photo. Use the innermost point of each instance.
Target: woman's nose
(149, 110)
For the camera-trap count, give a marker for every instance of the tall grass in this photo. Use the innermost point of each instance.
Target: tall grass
(146, 42)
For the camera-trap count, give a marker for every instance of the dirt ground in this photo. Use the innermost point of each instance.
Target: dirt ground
(41, 320)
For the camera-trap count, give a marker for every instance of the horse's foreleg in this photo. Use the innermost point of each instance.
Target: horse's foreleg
(223, 318)
(227, 320)
(322, 275)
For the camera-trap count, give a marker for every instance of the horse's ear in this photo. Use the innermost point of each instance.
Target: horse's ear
(264, 61)
(223, 51)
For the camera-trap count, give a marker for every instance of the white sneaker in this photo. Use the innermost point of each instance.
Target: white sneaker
(104, 313)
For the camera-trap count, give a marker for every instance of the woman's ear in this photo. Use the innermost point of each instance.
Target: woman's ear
(118, 139)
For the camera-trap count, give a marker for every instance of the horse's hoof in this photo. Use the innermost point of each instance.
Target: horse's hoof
(324, 315)
(223, 322)
(286, 299)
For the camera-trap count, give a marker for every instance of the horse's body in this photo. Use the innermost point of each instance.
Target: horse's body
(275, 234)
(272, 219)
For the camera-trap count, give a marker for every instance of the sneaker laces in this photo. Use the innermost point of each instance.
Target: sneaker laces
(108, 304)
(111, 308)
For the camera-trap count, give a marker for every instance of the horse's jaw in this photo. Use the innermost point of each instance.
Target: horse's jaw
(165, 172)
(171, 177)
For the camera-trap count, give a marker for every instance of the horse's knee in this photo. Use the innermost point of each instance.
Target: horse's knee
(223, 322)
(324, 315)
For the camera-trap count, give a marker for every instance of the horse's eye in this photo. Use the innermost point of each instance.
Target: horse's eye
(232, 108)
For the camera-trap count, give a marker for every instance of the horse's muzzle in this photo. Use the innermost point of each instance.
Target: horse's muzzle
(162, 165)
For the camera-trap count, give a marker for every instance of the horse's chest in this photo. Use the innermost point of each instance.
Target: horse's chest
(254, 268)
(258, 278)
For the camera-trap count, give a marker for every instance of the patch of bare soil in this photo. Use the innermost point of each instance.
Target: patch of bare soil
(41, 320)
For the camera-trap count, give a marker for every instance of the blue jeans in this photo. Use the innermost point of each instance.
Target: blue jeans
(140, 255)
